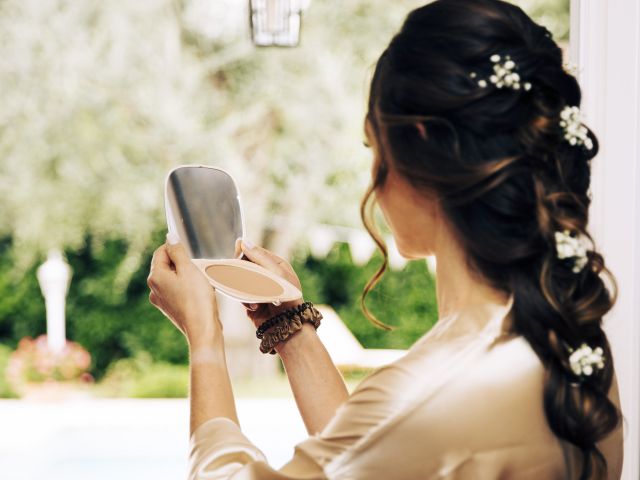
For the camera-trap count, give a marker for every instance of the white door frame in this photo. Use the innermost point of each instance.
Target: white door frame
(605, 46)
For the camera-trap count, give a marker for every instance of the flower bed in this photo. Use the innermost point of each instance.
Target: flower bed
(36, 371)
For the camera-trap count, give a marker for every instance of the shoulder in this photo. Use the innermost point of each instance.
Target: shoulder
(504, 382)
(494, 407)
(507, 372)
(445, 409)
(456, 374)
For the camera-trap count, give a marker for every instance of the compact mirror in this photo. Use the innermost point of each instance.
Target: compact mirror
(202, 206)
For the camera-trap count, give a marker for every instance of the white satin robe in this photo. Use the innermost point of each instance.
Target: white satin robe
(453, 407)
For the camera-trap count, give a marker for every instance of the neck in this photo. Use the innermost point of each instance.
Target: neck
(457, 288)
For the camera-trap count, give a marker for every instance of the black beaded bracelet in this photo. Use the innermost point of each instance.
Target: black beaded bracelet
(280, 317)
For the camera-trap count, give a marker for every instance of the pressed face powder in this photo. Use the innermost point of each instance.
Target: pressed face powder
(244, 280)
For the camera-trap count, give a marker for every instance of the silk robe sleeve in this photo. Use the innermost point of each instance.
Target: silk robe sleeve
(466, 409)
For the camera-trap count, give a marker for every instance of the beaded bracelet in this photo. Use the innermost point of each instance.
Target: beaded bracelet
(283, 325)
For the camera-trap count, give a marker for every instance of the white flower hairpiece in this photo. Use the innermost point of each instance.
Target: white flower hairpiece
(584, 359)
(570, 117)
(571, 68)
(503, 76)
(574, 131)
(571, 247)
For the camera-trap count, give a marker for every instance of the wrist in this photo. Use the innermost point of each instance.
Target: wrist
(278, 310)
(284, 306)
(279, 328)
(207, 353)
(202, 343)
(291, 303)
(207, 331)
(297, 342)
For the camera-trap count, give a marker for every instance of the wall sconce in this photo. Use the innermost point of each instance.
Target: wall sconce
(276, 22)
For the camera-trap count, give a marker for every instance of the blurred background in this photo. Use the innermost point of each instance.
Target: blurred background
(98, 101)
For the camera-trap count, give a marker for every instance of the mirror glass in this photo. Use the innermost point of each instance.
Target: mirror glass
(203, 208)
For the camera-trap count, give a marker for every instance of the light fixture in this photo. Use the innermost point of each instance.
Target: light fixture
(276, 22)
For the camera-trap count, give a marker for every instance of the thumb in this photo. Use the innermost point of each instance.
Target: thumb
(176, 251)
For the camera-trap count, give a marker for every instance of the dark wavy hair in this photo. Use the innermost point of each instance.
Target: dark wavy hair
(507, 180)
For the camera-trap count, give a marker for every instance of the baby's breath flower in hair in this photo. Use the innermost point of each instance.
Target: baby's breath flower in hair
(504, 74)
(568, 246)
(574, 131)
(571, 68)
(584, 359)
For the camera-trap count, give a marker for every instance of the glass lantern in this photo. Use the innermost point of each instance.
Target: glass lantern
(276, 22)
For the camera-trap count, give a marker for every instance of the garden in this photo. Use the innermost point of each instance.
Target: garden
(100, 100)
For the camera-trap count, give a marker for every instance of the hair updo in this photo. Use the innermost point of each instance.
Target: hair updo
(507, 180)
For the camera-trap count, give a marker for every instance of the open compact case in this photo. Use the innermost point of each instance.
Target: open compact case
(202, 206)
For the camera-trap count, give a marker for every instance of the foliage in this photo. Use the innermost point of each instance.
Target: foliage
(34, 362)
(403, 298)
(553, 14)
(96, 117)
(112, 328)
(22, 310)
(110, 325)
(141, 377)
(93, 118)
(6, 390)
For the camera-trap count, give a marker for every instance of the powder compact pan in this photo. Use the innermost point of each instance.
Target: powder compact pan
(202, 206)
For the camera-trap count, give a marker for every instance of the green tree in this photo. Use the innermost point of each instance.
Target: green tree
(101, 99)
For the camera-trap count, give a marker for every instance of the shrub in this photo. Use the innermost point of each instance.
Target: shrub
(34, 362)
(6, 391)
(117, 324)
(403, 298)
(141, 377)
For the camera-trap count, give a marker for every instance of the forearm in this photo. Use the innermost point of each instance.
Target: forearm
(210, 390)
(316, 383)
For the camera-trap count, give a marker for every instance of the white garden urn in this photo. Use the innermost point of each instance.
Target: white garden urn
(54, 277)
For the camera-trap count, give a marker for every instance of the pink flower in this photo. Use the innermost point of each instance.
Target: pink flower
(34, 361)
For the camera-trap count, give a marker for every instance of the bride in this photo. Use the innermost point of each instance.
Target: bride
(479, 158)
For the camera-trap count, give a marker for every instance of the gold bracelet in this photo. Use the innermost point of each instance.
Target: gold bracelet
(288, 324)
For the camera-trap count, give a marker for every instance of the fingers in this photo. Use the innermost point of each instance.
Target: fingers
(251, 306)
(160, 260)
(161, 265)
(265, 258)
(178, 255)
(258, 315)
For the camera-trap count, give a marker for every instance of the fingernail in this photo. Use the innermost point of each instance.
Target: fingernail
(172, 238)
(248, 243)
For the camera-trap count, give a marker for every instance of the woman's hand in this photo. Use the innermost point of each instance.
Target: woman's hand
(260, 312)
(183, 294)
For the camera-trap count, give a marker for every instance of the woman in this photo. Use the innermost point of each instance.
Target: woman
(481, 160)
